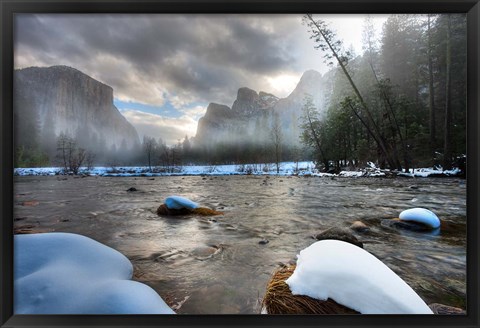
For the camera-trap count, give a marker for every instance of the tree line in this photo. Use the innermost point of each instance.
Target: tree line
(37, 145)
(402, 103)
(161, 157)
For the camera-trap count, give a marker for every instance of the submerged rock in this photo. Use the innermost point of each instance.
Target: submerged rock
(24, 229)
(30, 203)
(131, 189)
(204, 211)
(406, 225)
(165, 211)
(339, 234)
(206, 252)
(445, 309)
(359, 226)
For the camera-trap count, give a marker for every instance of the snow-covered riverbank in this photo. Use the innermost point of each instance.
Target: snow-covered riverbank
(286, 169)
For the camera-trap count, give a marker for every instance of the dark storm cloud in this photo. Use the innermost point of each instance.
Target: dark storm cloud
(194, 57)
(142, 40)
(258, 50)
(40, 36)
(28, 31)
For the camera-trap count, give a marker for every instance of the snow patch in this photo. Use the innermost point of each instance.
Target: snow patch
(178, 202)
(431, 171)
(65, 273)
(354, 278)
(350, 174)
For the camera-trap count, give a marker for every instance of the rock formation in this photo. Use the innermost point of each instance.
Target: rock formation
(67, 100)
(251, 116)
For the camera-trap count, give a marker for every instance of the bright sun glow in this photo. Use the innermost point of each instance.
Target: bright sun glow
(283, 85)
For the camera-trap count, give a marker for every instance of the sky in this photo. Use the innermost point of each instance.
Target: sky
(166, 69)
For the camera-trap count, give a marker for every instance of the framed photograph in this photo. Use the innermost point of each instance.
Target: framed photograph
(254, 163)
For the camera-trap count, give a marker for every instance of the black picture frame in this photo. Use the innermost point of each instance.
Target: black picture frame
(8, 8)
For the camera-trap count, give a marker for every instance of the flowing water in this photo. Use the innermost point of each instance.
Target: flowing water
(217, 265)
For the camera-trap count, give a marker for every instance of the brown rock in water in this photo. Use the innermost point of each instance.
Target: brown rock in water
(205, 211)
(29, 229)
(30, 203)
(24, 229)
(359, 226)
(163, 210)
(445, 309)
(279, 299)
(339, 234)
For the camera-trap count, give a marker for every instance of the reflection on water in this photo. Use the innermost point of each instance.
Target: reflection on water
(217, 265)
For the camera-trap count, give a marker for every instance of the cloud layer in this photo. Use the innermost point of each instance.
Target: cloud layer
(180, 60)
(149, 58)
(168, 129)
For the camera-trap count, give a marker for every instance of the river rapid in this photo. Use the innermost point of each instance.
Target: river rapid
(216, 265)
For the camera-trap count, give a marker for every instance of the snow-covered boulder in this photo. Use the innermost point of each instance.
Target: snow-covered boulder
(178, 203)
(354, 278)
(181, 206)
(421, 215)
(65, 273)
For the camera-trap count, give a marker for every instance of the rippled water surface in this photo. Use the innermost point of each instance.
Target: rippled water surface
(216, 265)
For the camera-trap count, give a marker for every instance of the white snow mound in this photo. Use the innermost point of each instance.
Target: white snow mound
(178, 202)
(354, 278)
(421, 215)
(65, 273)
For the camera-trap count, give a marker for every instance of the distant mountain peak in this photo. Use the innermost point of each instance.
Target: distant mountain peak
(311, 73)
(215, 110)
(249, 103)
(266, 95)
(246, 94)
(252, 113)
(65, 67)
(306, 85)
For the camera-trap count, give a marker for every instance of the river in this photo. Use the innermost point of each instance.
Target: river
(217, 265)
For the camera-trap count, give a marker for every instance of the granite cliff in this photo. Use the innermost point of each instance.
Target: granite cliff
(251, 116)
(63, 99)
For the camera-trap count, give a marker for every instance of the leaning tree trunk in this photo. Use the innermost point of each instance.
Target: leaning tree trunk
(381, 143)
(447, 157)
(431, 93)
